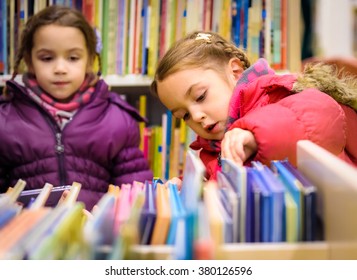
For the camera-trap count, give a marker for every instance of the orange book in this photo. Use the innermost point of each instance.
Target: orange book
(163, 217)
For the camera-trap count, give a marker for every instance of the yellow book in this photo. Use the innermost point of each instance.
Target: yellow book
(154, 36)
(291, 219)
(16, 191)
(71, 197)
(157, 157)
(142, 111)
(112, 37)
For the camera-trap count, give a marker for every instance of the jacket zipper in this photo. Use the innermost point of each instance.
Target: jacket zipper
(59, 147)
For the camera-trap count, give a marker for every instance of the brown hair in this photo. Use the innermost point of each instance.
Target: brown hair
(206, 50)
(59, 15)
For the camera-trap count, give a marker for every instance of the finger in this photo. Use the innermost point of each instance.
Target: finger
(87, 214)
(237, 154)
(235, 148)
(225, 148)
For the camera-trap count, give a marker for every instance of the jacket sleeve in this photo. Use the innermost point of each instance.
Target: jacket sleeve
(130, 164)
(310, 115)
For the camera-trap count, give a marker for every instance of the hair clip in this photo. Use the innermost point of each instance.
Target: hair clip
(99, 46)
(203, 36)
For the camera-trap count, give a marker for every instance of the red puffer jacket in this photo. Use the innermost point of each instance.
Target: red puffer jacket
(278, 118)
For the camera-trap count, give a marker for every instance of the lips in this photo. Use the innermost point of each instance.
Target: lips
(211, 127)
(60, 83)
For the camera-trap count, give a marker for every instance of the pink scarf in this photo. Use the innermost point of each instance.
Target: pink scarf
(60, 111)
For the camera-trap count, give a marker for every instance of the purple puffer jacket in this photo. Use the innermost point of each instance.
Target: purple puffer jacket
(98, 147)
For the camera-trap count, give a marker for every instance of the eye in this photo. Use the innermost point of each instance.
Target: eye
(201, 97)
(73, 58)
(186, 116)
(46, 58)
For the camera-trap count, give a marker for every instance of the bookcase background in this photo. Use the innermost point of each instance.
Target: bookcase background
(147, 35)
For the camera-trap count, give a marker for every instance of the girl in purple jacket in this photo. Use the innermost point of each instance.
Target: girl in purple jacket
(62, 124)
(247, 112)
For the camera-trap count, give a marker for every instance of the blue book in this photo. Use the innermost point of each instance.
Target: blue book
(230, 200)
(236, 21)
(191, 193)
(237, 176)
(276, 202)
(145, 36)
(252, 220)
(177, 213)
(262, 209)
(244, 27)
(168, 132)
(192, 183)
(148, 214)
(7, 213)
(226, 211)
(3, 38)
(294, 187)
(309, 193)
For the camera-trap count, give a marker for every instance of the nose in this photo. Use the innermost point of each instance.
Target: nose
(197, 115)
(60, 66)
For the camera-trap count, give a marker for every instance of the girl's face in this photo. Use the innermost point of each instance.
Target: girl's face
(59, 59)
(200, 97)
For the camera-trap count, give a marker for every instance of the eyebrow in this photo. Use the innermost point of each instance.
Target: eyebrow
(50, 50)
(187, 94)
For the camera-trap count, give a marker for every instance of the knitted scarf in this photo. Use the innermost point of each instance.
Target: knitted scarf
(258, 69)
(61, 112)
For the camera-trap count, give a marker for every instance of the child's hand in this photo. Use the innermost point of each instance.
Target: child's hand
(238, 145)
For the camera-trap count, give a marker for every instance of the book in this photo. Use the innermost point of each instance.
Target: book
(262, 209)
(294, 187)
(290, 219)
(232, 202)
(192, 182)
(163, 216)
(237, 176)
(191, 194)
(203, 245)
(148, 214)
(3, 38)
(309, 202)
(177, 213)
(46, 196)
(276, 200)
(335, 182)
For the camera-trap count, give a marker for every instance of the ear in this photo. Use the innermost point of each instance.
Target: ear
(235, 68)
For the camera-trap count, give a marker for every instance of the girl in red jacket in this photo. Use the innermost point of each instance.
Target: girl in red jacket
(247, 112)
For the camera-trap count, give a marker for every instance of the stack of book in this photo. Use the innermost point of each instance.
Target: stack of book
(273, 207)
